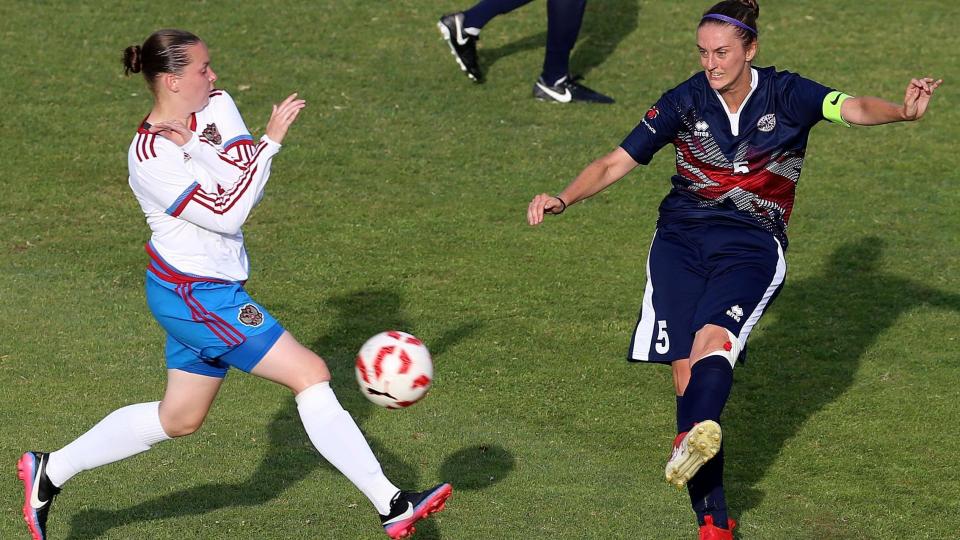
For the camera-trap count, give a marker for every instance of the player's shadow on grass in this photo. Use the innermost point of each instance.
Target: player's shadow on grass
(477, 467)
(290, 458)
(808, 358)
(605, 25)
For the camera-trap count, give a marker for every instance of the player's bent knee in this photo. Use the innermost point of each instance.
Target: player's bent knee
(180, 427)
(717, 341)
(181, 423)
(310, 371)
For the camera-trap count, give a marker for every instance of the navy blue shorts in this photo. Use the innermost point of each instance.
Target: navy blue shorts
(211, 326)
(700, 273)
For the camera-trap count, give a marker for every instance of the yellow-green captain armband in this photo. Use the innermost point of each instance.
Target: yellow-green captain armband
(831, 107)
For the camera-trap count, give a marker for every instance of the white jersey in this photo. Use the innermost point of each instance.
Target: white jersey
(196, 197)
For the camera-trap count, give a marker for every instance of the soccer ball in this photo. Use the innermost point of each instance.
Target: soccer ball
(394, 369)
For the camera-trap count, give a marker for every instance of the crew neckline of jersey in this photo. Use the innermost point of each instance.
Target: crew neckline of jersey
(734, 118)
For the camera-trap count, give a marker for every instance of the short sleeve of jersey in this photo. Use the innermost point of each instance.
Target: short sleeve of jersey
(229, 122)
(802, 99)
(658, 127)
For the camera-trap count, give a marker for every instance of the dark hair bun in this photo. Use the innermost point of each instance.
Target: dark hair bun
(753, 5)
(132, 60)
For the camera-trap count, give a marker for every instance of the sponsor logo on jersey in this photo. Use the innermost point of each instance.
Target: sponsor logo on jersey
(735, 313)
(701, 129)
(653, 113)
(250, 315)
(647, 124)
(212, 134)
(767, 122)
(186, 157)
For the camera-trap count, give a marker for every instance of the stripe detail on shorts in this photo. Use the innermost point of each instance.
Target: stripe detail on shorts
(771, 291)
(220, 328)
(643, 333)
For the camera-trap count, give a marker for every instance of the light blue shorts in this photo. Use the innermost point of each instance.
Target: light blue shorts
(210, 326)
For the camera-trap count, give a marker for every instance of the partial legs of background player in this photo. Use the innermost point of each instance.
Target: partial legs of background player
(702, 383)
(564, 17)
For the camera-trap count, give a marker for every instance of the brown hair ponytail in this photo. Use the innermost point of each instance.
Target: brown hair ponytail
(165, 51)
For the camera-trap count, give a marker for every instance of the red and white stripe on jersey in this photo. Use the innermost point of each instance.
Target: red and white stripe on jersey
(770, 186)
(226, 158)
(144, 145)
(221, 203)
(241, 150)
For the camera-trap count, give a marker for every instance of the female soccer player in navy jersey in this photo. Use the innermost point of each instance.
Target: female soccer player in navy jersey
(716, 261)
(197, 175)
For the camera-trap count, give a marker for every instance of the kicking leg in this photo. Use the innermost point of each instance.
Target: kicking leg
(338, 439)
(702, 389)
(711, 377)
(331, 428)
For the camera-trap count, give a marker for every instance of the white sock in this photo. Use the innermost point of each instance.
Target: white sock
(472, 31)
(338, 439)
(123, 433)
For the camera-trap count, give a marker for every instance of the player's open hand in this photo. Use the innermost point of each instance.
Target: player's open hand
(174, 130)
(543, 204)
(283, 116)
(918, 96)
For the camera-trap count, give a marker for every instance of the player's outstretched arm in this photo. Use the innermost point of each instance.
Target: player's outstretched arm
(593, 179)
(871, 111)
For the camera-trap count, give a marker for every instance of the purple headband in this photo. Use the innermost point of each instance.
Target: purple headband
(730, 20)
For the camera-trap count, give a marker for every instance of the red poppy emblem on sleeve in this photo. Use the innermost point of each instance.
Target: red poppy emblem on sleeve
(652, 113)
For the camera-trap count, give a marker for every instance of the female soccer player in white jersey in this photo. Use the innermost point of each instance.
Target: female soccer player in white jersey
(716, 261)
(196, 190)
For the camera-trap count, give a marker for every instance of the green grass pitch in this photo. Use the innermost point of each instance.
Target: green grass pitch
(399, 202)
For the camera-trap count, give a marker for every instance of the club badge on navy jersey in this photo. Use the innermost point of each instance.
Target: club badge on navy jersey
(212, 134)
(250, 315)
(767, 122)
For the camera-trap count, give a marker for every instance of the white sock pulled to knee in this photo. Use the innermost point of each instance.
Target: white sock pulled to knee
(123, 433)
(338, 439)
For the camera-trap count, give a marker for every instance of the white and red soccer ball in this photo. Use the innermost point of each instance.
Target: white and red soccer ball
(394, 369)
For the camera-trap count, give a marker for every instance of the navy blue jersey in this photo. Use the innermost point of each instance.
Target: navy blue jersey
(745, 168)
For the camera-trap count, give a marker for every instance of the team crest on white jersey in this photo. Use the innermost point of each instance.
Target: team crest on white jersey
(701, 129)
(212, 134)
(735, 313)
(767, 122)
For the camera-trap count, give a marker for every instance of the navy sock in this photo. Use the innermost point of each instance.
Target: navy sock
(480, 14)
(682, 424)
(710, 381)
(563, 27)
(706, 492)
